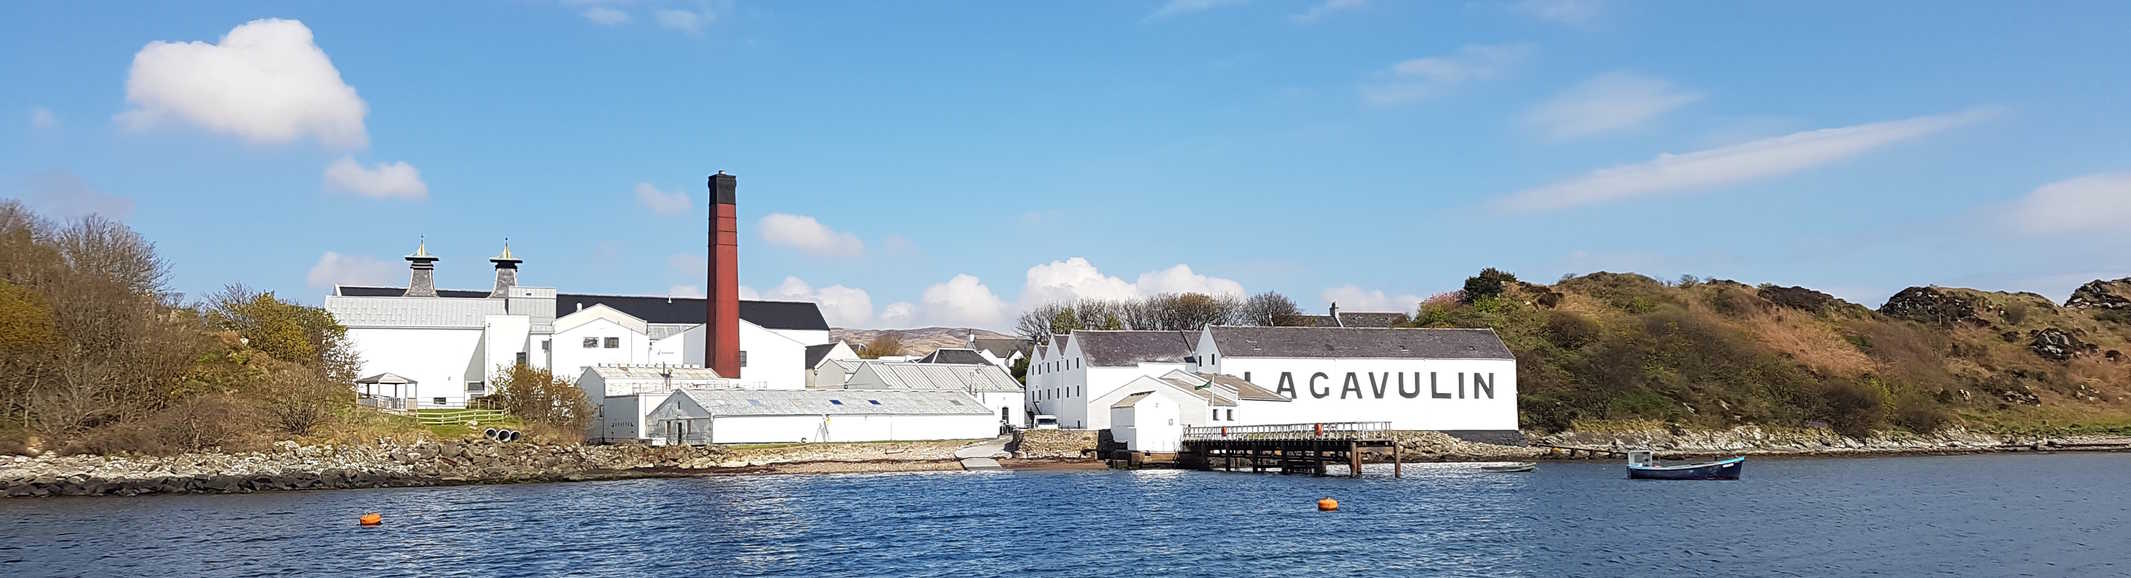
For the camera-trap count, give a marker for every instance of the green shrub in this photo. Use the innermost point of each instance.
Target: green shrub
(1569, 330)
(1490, 282)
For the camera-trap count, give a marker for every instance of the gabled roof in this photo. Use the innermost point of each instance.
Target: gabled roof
(1000, 347)
(1230, 384)
(953, 356)
(1372, 319)
(613, 373)
(397, 311)
(815, 353)
(1131, 400)
(798, 315)
(1323, 342)
(1124, 348)
(907, 375)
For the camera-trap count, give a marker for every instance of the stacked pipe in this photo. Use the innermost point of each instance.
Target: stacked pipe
(500, 435)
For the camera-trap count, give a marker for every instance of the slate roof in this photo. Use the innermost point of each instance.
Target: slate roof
(740, 402)
(1373, 319)
(816, 352)
(1130, 400)
(613, 373)
(1192, 387)
(953, 356)
(1001, 347)
(652, 309)
(1245, 390)
(431, 312)
(1305, 342)
(1122, 348)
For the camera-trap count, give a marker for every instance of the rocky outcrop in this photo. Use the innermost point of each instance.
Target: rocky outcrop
(290, 466)
(1055, 444)
(1799, 298)
(1934, 306)
(2110, 295)
(1782, 441)
(2058, 345)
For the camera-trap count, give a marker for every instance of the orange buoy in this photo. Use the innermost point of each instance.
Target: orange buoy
(372, 519)
(1327, 504)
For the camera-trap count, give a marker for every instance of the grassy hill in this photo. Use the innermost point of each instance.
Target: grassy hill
(1714, 354)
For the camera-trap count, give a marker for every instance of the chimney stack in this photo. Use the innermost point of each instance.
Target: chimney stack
(423, 279)
(506, 272)
(1336, 321)
(721, 335)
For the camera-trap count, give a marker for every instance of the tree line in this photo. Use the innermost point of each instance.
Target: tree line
(1167, 311)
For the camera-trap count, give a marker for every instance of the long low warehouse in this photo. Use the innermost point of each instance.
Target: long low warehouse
(771, 416)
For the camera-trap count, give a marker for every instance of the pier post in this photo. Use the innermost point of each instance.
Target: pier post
(1354, 457)
(1398, 466)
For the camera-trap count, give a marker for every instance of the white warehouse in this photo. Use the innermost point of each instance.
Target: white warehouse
(699, 416)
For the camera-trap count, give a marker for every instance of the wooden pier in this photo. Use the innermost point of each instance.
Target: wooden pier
(1306, 448)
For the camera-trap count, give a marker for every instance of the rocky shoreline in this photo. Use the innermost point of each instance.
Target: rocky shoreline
(291, 466)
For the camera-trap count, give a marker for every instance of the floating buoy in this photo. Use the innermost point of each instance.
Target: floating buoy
(370, 519)
(1327, 504)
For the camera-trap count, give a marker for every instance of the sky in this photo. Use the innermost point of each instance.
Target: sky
(954, 163)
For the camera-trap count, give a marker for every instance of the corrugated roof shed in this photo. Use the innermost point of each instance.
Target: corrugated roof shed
(396, 311)
(834, 402)
(654, 373)
(1124, 348)
(906, 375)
(1320, 342)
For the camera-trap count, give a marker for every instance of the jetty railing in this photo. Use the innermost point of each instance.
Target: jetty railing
(1343, 430)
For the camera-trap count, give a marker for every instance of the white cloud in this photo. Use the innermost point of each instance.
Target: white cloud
(683, 20)
(1771, 157)
(898, 314)
(337, 269)
(662, 202)
(384, 181)
(842, 306)
(2097, 202)
(605, 16)
(1327, 8)
(1571, 12)
(1075, 278)
(265, 82)
(65, 195)
(1423, 78)
(1605, 103)
(964, 301)
(806, 234)
(1353, 298)
(42, 118)
(749, 293)
(1182, 7)
(688, 291)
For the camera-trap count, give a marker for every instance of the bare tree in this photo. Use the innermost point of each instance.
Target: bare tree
(1269, 309)
(883, 344)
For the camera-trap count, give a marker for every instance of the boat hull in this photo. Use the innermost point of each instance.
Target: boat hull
(1719, 470)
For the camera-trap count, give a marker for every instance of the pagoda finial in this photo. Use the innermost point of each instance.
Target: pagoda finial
(506, 256)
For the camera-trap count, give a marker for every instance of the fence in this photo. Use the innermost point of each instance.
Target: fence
(1291, 431)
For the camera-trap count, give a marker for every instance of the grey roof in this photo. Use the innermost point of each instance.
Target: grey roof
(953, 356)
(429, 312)
(742, 402)
(1062, 341)
(653, 372)
(651, 309)
(1372, 319)
(1122, 348)
(1246, 390)
(1130, 400)
(659, 331)
(1192, 387)
(1360, 342)
(387, 378)
(1001, 347)
(908, 375)
(816, 352)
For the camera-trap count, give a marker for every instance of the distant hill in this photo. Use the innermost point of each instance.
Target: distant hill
(1715, 353)
(915, 341)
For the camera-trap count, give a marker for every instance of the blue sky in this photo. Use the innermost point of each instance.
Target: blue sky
(952, 162)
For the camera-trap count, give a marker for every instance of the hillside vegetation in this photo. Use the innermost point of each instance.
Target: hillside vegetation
(1714, 354)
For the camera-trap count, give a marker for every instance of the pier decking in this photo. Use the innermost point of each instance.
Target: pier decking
(1287, 448)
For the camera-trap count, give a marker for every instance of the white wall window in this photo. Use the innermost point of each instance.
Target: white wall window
(743, 358)
(437, 400)
(1231, 415)
(614, 343)
(591, 343)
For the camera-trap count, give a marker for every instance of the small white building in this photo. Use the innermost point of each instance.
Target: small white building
(991, 386)
(1146, 422)
(622, 396)
(770, 416)
(1460, 381)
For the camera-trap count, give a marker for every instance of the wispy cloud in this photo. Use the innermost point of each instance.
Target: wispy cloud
(1729, 165)
(1608, 102)
(1422, 78)
(1174, 8)
(42, 118)
(1571, 12)
(2091, 203)
(605, 16)
(1326, 8)
(662, 202)
(806, 234)
(688, 21)
(394, 180)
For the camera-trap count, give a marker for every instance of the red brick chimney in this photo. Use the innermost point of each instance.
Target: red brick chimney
(721, 336)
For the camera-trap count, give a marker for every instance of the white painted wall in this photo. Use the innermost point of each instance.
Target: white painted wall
(1153, 424)
(1394, 390)
(770, 356)
(1011, 403)
(438, 360)
(802, 336)
(841, 428)
(572, 357)
(504, 338)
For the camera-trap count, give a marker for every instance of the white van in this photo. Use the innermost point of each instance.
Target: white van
(1046, 422)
